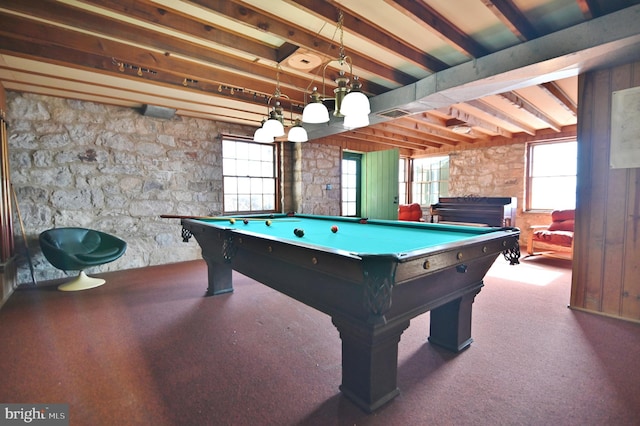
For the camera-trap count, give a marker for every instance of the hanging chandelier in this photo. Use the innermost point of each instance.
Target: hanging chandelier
(273, 127)
(350, 102)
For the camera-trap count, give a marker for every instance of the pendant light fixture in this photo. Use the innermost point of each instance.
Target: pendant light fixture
(349, 100)
(273, 127)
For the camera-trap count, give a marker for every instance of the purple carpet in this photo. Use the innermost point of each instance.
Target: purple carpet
(148, 348)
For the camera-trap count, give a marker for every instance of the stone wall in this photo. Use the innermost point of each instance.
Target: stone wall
(321, 169)
(109, 168)
(494, 172)
(309, 168)
(488, 172)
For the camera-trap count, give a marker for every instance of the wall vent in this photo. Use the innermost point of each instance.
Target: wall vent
(157, 111)
(393, 113)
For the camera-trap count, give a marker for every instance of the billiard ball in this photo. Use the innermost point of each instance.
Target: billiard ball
(246, 221)
(268, 223)
(299, 232)
(232, 221)
(334, 229)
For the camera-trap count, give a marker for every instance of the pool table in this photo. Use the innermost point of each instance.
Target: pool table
(371, 276)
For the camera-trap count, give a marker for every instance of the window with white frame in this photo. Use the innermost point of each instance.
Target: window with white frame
(351, 184)
(249, 175)
(551, 175)
(430, 179)
(402, 181)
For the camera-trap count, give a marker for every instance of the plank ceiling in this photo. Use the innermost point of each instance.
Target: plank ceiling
(504, 69)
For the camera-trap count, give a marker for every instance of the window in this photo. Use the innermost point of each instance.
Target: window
(403, 181)
(249, 175)
(551, 175)
(351, 184)
(430, 179)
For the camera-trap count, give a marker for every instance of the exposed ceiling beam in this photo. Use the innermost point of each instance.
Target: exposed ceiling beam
(472, 120)
(421, 131)
(301, 36)
(178, 24)
(26, 37)
(429, 17)
(427, 129)
(600, 42)
(512, 18)
(388, 137)
(382, 37)
(561, 97)
(521, 103)
(489, 109)
(219, 60)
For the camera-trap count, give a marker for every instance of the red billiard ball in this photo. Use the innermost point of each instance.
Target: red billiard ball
(334, 229)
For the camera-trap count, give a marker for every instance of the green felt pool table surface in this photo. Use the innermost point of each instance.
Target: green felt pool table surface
(370, 238)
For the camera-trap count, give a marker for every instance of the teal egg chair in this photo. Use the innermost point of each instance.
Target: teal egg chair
(76, 249)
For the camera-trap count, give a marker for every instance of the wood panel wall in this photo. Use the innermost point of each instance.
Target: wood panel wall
(606, 266)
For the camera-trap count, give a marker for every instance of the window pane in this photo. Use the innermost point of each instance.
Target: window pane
(256, 202)
(255, 154)
(402, 181)
(229, 165)
(256, 186)
(267, 154)
(552, 176)
(244, 185)
(243, 203)
(230, 185)
(269, 187)
(267, 203)
(249, 176)
(242, 168)
(267, 169)
(430, 179)
(231, 202)
(228, 149)
(350, 186)
(242, 150)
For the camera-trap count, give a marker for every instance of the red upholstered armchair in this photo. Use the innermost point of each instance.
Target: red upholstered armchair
(555, 239)
(410, 212)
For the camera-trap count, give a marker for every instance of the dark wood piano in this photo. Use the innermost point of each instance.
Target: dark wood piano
(489, 211)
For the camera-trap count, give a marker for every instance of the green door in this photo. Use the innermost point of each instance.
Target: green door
(380, 184)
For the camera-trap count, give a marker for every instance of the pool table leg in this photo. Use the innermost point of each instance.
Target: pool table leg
(369, 362)
(450, 325)
(220, 280)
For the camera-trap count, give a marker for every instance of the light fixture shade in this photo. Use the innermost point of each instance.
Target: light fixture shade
(262, 135)
(297, 134)
(315, 112)
(274, 127)
(355, 121)
(355, 103)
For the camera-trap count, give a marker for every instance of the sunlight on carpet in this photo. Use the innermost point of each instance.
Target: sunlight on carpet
(524, 273)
